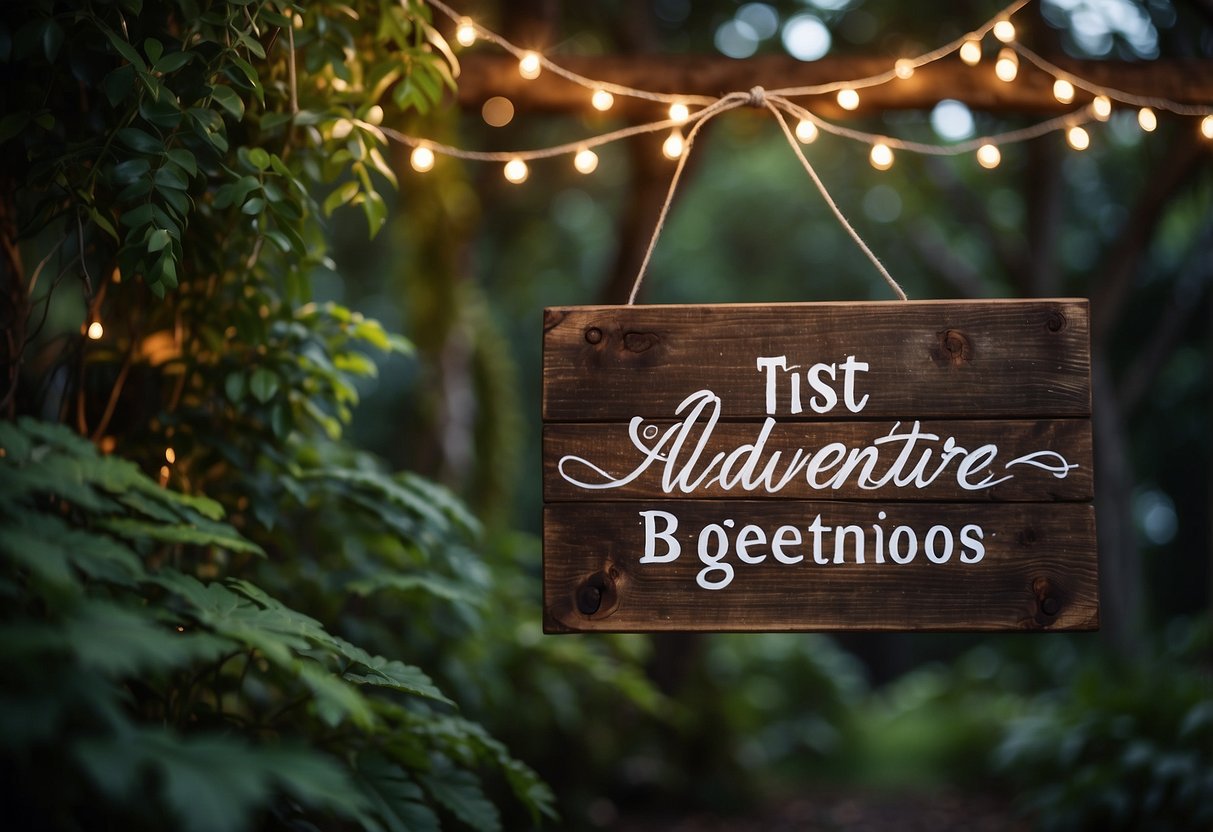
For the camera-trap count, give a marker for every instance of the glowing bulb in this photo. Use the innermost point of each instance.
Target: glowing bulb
(903, 68)
(422, 159)
(170, 455)
(1007, 66)
(1147, 120)
(881, 156)
(970, 52)
(679, 113)
(465, 32)
(673, 146)
(1063, 91)
(1004, 30)
(95, 330)
(1101, 107)
(585, 161)
(1206, 127)
(806, 131)
(988, 156)
(516, 171)
(848, 98)
(1078, 138)
(602, 100)
(530, 66)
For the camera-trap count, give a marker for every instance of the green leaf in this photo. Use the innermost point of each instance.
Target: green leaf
(157, 240)
(123, 48)
(228, 99)
(119, 84)
(431, 584)
(376, 212)
(263, 384)
(395, 799)
(234, 385)
(459, 791)
(340, 196)
(208, 533)
(139, 141)
(153, 49)
(120, 641)
(52, 39)
(131, 170)
(184, 159)
(259, 158)
(172, 62)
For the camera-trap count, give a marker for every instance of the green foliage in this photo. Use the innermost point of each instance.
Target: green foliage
(228, 702)
(1124, 745)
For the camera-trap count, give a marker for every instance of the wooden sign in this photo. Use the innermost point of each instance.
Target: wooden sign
(826, 466)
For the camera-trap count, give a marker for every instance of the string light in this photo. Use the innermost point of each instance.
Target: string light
(970, 52)
(881, 156)
(848, 98)
(806, 131)
(95, 331)
(1147, 120)
(988, 156)
(673, 145)
(530, 65)
(170, 455)
(516, 171)
(1101, 107)
(602, 100)
(808, 125)
(465, 32)
(1078, 138)
(1007, 66)
(422, 159)
(586, 160)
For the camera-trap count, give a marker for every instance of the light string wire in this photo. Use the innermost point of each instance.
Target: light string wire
(777, 100)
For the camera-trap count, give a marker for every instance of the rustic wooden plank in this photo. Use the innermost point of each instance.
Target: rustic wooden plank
(1038, 570)
(927, 359)
(610, 448)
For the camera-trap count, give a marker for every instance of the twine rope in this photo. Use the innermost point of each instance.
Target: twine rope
(759, 98)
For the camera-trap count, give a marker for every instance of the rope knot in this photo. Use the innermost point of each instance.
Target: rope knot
(758, 97)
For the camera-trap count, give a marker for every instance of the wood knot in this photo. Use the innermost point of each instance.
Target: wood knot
(639, 341)
(593, 335)
(1056, 321)
(952, 349)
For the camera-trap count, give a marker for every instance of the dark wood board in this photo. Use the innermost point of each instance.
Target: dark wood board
(929, 359)
(1038, 571)
(610, 448)
(769, 416)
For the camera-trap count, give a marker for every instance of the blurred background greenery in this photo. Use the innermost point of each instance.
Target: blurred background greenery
(1063, 731)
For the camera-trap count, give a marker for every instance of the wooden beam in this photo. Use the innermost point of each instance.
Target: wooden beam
(487, 75)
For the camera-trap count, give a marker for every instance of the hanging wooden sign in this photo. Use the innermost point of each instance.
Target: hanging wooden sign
(825, 466)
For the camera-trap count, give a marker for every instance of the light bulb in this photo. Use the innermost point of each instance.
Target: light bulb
(1206, 127)
(465, 32)
(1078, 138)
(170, 455)
(679, 112)
(516, 171)
(806, 131)
(881, 156)
(672, 148)
(602, 100)
(970, 52)
(585, 161)
(1007, 66)
(1063, 91)
(848, 98)
(1101, 107)
(1147, 120)
(988, 156)
(1004, 30)
(422, 159)
(95, 330)
(530, 66)
(903, 68)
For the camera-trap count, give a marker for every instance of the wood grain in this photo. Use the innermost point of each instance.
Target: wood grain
(928, 359)
(1038, 573)
(609, 447)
